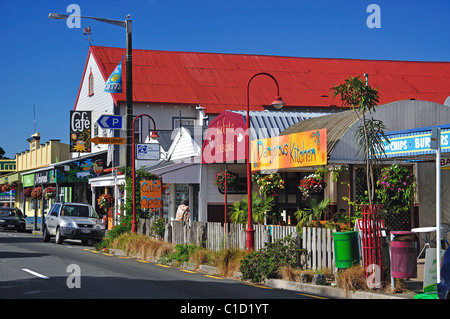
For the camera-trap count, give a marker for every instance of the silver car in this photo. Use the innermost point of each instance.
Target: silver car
(73, 221)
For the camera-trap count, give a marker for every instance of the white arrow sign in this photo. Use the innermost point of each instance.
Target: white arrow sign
(110, 121)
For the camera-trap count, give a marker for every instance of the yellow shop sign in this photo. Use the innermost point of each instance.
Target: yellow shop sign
(288, 151)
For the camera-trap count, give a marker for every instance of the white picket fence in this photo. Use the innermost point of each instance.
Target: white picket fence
(319, 246)
(317, 242)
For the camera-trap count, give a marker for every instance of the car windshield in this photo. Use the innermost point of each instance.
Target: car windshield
(78, 211)
(10, 212)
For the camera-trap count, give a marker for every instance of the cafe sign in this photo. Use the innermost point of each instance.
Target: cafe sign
(301, 149)
(80, 131)
(151, 194)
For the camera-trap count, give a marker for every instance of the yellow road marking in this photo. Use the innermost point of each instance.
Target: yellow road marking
(257, 286)
(213, 277)
(143, 261)
(188, 271)
(124, 257)
(108, 254)
(311, 296)
(163, 266)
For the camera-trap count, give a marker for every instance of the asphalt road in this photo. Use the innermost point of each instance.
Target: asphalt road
(31, 269)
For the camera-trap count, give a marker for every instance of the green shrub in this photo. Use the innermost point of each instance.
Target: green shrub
(267, 262)
(158, 227)
(181, 254)
(122, 227)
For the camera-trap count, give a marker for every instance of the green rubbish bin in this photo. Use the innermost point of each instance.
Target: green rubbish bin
(346, 251)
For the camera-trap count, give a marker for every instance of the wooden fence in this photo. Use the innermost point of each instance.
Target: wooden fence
(317, 242)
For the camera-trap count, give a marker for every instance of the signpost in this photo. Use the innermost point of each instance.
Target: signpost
(435, 144)
(108, 140)
(110, 121)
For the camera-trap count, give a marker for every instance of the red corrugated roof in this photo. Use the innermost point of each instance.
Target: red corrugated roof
(218, 82)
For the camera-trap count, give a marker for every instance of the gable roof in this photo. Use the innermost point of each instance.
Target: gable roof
(218, 82)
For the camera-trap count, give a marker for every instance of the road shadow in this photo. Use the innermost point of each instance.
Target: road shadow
(125, 288)
(13, 254)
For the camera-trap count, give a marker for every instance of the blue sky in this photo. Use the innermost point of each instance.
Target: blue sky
(42, 60)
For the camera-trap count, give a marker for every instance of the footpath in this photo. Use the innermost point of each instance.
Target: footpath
(413, 286)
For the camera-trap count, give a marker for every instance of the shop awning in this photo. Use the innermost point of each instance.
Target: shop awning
(185, 172)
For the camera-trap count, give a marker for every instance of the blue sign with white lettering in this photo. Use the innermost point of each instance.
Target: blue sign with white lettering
(110, 121)
(415, 142)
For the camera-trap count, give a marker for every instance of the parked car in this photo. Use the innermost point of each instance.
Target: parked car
(73, 221)
(443, 288)
(11, 218)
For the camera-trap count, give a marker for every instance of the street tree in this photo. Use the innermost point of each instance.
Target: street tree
(363, 99)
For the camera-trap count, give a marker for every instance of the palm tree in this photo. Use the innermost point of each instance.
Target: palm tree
(239, 212)
(313, 213)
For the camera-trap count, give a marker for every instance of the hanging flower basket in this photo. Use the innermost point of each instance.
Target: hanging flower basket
(49, 192)
(312, 184)
(219, 179)
(5, 188)
(36, 193)
(270, 185)
(105, 201)
(26, 192)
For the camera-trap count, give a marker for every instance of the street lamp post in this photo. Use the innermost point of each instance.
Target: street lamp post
(278, 104)
(154, 136)
(129, 82)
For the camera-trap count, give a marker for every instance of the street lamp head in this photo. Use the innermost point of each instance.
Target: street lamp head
(278, 103)
(154, 136)
(58, 16)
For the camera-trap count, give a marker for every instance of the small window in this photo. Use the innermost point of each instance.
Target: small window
(91, 84)
(184, 122)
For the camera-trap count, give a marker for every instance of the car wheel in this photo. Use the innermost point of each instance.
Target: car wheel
(59, 238)
(45, 236)
(84, 242)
